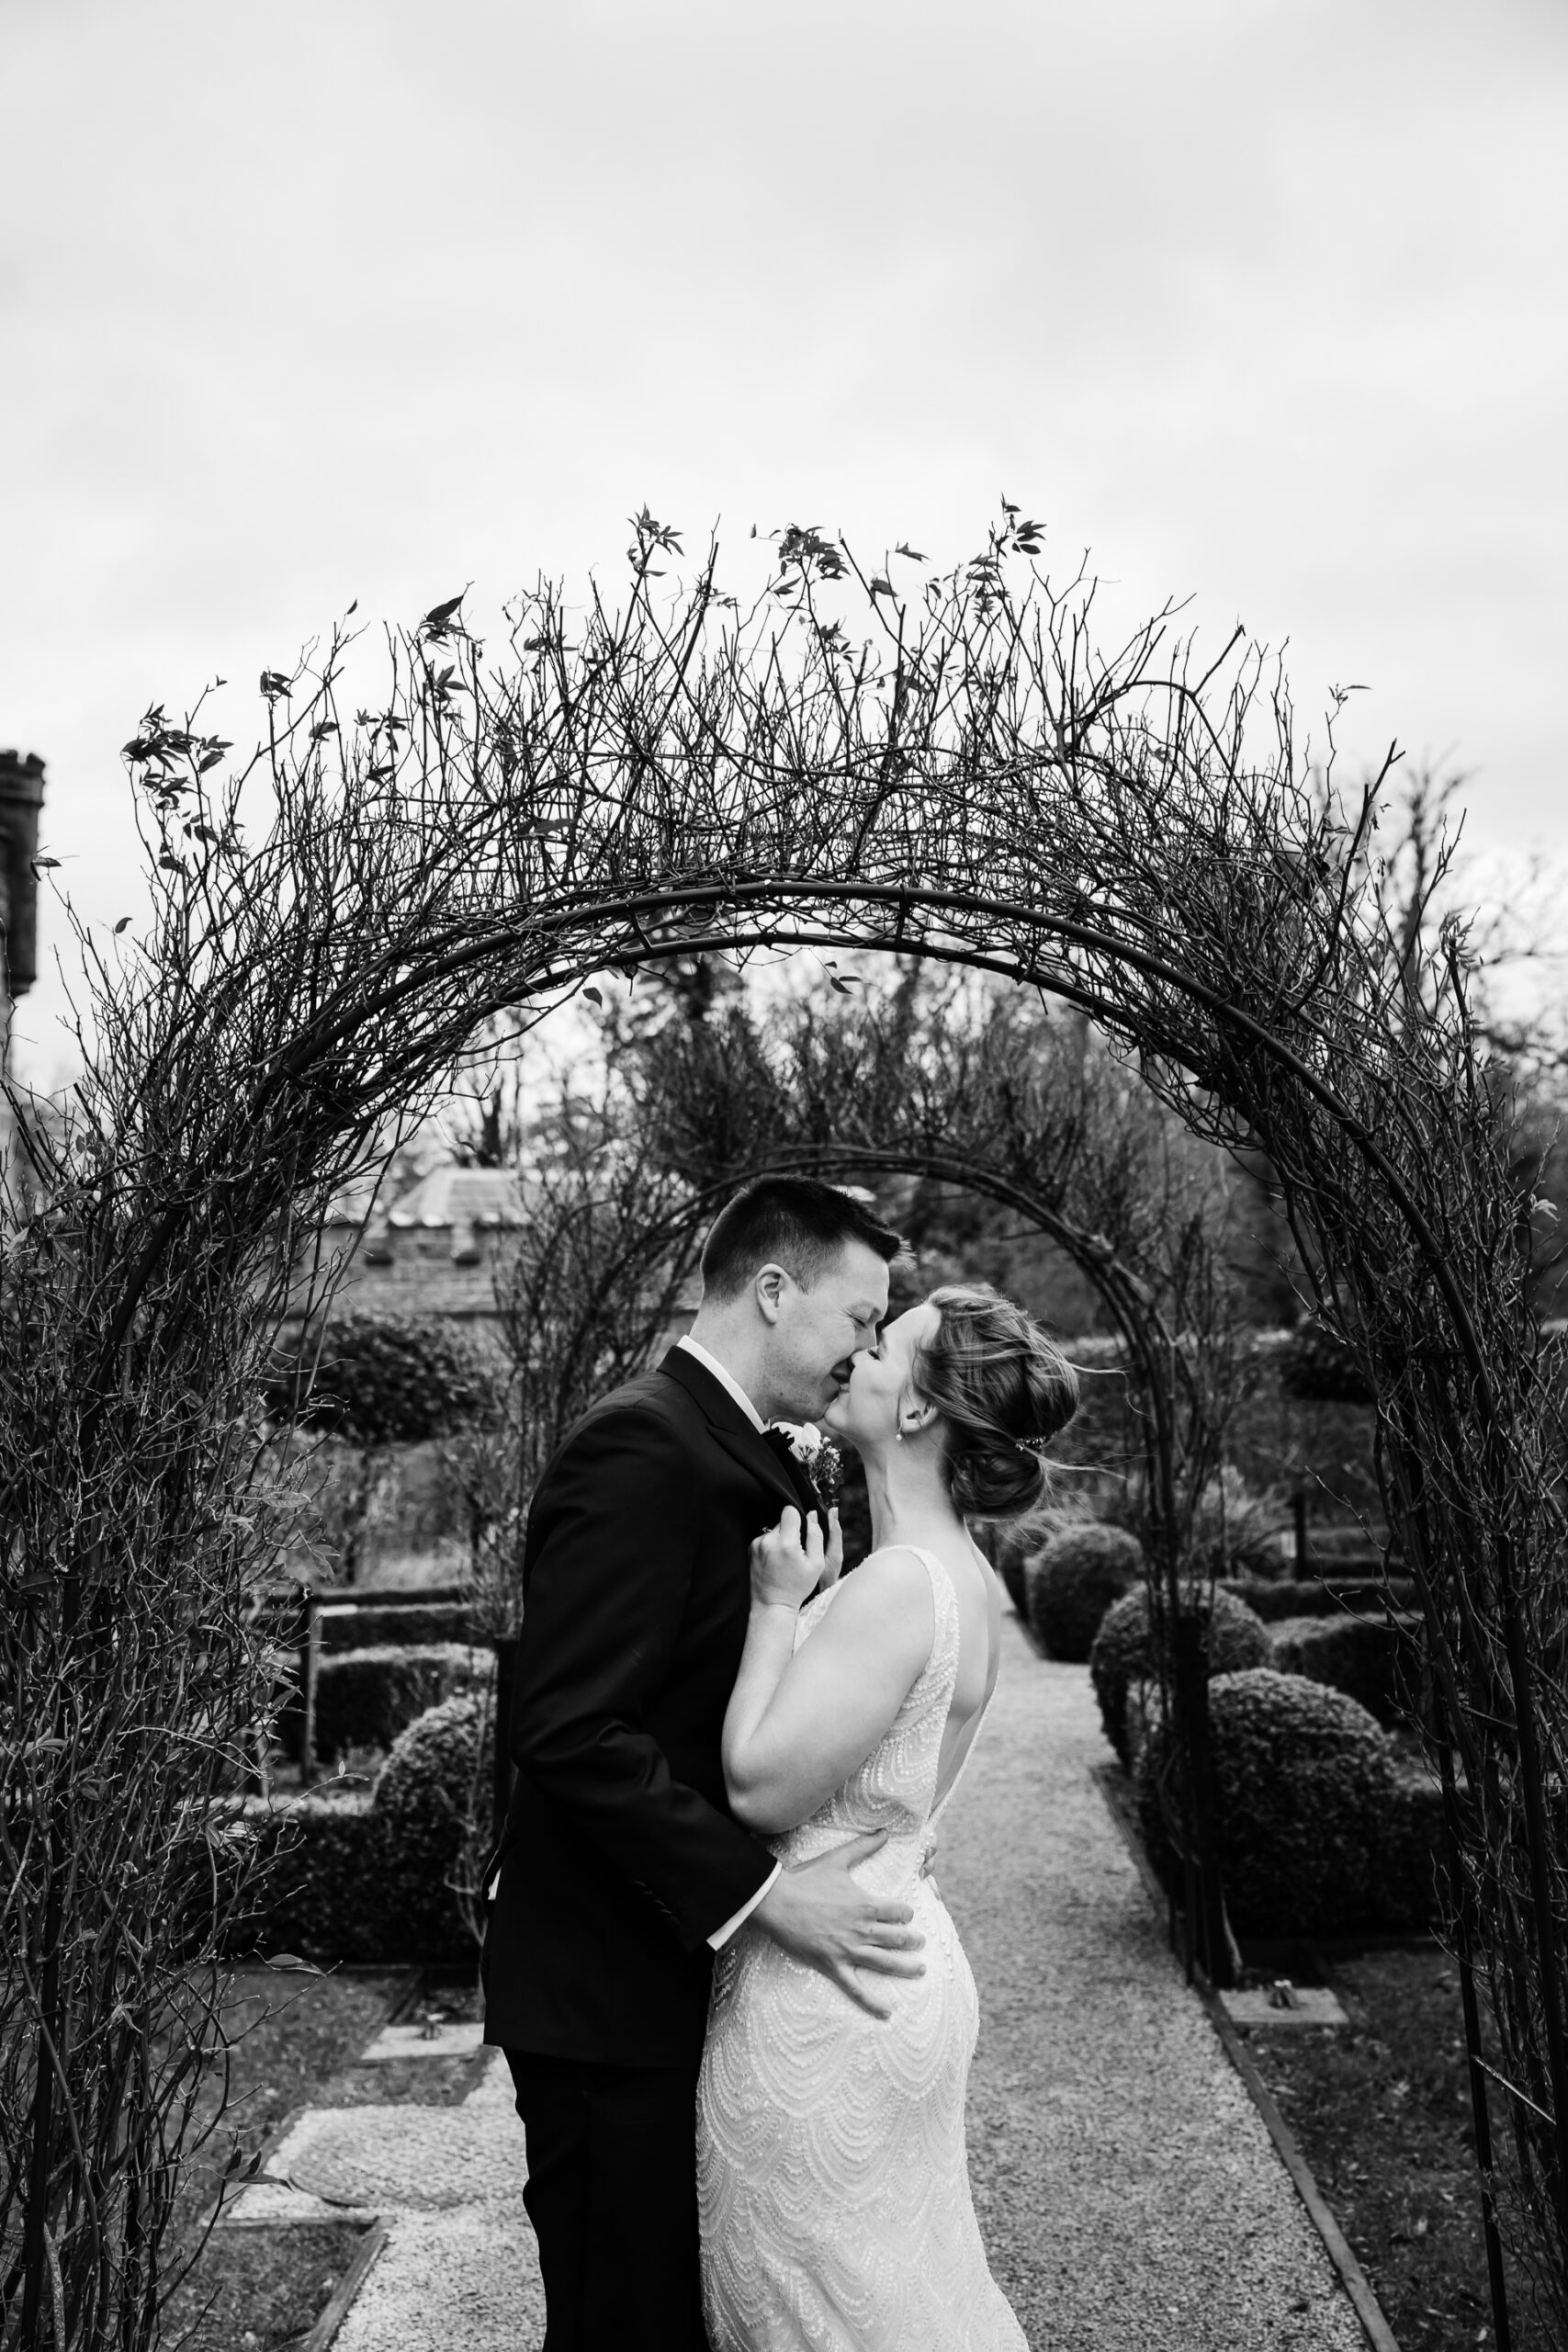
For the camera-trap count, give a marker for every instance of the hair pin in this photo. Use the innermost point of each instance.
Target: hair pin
(1031, 1444)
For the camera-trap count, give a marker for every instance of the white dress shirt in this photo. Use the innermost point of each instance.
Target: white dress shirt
(721, 1936)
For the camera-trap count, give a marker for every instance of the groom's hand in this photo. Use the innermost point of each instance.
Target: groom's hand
(819, 1915)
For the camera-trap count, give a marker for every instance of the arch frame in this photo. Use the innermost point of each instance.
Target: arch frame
(993, 795)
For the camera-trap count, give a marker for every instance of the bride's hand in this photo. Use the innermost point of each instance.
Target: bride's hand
(788, 1563)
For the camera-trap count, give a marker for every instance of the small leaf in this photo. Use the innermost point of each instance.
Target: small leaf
(291, 1960)
(44, 861)
(594, 997)
(122, 924)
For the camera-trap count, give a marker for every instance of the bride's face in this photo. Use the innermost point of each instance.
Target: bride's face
(880, 1383)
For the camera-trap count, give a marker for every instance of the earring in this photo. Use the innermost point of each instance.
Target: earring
(900, 1435)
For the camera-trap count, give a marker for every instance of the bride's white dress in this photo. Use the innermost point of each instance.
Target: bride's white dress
(832, 2179)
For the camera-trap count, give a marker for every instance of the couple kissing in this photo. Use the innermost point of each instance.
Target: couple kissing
(737, 2014)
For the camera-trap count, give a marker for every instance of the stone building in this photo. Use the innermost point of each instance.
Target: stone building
(435, 1249)
(21, 797)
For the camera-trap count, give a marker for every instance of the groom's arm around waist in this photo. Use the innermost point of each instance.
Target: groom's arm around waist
(617, 1529)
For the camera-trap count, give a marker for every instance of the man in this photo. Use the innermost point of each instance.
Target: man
(622, 1870)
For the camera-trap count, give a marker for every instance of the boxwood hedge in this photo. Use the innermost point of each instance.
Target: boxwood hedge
(1312, 1809)
(1071, 1582)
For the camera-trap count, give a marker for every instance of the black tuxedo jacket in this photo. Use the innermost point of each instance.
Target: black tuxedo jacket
(621, 1856)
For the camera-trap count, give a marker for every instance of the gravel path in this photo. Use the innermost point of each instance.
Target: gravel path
(1129, 2194)
(1127, 2190)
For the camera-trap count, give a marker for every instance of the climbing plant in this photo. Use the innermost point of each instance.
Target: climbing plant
(960, 768)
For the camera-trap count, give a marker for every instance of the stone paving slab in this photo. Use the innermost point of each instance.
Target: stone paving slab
(1129, 2193)
(1308, 2005)
(459, 2038)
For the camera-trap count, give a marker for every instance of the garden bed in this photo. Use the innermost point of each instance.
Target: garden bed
(256, 2289)
(1382, 2112)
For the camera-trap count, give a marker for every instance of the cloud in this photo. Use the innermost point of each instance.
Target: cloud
(1257, 301)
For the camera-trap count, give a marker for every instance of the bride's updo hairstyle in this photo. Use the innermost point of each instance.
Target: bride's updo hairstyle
(1003, 1392)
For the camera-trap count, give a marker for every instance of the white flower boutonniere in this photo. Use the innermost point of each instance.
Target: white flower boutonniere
(818, 1457)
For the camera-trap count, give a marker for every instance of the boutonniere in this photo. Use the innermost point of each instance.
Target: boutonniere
(818, 1457)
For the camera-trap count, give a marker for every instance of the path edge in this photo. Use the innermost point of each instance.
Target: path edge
(1352, 2277)
(333, 2314)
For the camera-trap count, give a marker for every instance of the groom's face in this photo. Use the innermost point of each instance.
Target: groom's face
(816, 1332)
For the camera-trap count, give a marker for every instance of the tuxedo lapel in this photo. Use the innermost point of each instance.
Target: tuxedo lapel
(729, 1425)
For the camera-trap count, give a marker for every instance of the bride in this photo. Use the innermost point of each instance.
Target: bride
(832, 2179)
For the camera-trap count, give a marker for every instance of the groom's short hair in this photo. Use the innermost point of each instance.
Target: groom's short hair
(795, 1222)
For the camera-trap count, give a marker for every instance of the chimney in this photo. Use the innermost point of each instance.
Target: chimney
(21, 797)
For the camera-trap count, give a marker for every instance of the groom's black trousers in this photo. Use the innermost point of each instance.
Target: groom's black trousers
(612, 2196)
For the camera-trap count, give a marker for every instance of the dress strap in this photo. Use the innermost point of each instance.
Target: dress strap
(945, 1595)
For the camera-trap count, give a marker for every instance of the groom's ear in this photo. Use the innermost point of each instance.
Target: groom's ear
(768, 1289)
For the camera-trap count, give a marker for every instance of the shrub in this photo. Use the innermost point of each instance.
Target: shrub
(424, 1802)
(1321, 1370)
(381, 1380)
(1318, 1598)
(365, 1697)
(1123, 1653)
(326, 1891)
(377, 1624)
(1359, 1656)
(1410, 1852)
(1072, 1581)
(1304, 1785)
(1235, 1530)
(368, 1877)
(1008, 1558)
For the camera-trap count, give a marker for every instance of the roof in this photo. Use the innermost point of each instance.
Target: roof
(451, 1196)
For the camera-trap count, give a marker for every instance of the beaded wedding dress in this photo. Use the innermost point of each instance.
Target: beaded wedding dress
(831, 2173)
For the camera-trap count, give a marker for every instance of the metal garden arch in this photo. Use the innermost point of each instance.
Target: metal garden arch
(1134, 834)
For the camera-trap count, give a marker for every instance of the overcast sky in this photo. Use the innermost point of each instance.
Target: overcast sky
(1261, 301)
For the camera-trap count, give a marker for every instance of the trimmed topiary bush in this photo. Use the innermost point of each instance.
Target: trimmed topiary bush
(1304, 1785)
(325, 1892)
(1122, 1653)
(1359, 1656)
(1319, 1597)
(366, 1876)
(366, 1697)
(1236, 1532)
(1410, 1850)
(381, 1625)
(382, 1380)
(1316, 1365)
(1009, 1556)
(1073, 1581)
(423, 1801)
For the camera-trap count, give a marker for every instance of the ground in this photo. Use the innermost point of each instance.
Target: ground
(258, 2291)
(1383, 2114)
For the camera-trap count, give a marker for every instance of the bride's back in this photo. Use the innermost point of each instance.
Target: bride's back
(911, 1770)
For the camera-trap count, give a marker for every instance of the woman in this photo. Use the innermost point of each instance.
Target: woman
(832, 2179)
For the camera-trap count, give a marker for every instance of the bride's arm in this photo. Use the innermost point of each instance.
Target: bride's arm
(799, 1724)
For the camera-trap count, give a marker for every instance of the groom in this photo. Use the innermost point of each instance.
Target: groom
(621, 1871)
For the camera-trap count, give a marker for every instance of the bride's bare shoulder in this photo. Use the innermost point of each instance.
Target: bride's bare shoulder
(890, 1586)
